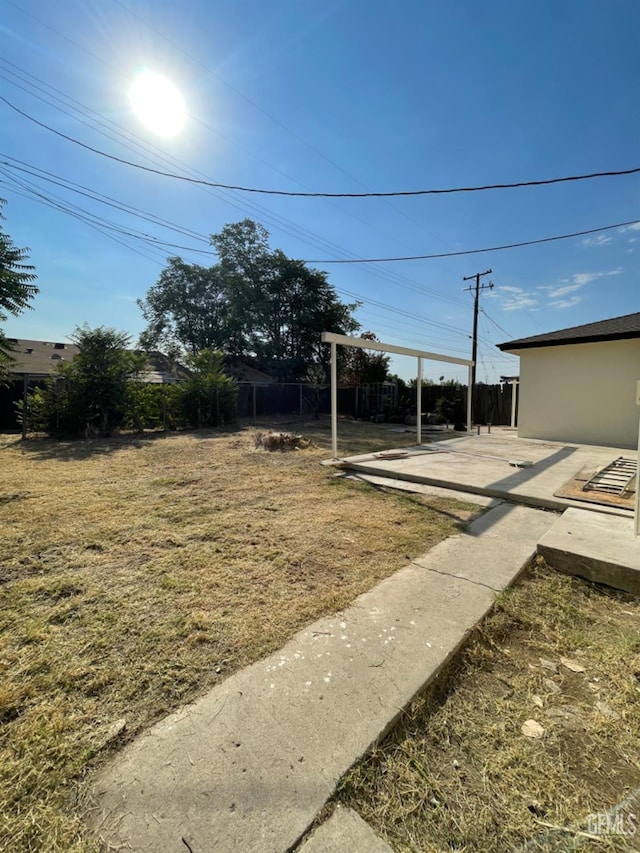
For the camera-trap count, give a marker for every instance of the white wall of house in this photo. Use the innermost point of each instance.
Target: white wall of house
(580, 393)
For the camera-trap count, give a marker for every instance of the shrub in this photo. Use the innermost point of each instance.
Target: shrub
(209, 396)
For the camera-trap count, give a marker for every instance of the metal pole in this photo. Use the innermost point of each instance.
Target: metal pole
(301, 399)
(334, 401)
(25, 392)
(419, 404)
(514, 389)
(254, 401)
(469, 400)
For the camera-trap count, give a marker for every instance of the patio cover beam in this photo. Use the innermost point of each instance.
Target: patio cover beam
(362, 343)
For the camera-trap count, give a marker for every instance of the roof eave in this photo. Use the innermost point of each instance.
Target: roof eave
(510, 346)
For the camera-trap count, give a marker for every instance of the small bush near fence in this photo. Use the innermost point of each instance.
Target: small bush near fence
(57, 410)
(218, 400)
(65, 405)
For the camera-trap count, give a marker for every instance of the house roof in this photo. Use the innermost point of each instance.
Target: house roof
(243, 371)
(163, 370)
(39, 359)
(616, 329)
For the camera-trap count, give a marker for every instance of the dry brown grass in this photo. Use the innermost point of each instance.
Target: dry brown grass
(139, 572)
(458, 775)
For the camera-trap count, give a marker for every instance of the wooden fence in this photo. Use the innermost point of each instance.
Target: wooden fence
(491, 403)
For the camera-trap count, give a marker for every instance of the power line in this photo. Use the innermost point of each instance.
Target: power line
(237, 92)
(71, 186)
(303, 194)
(105, 226)
(29, 194)
(297, 232)
(120, 131)
(88, 218)
(205, 185)
(496, 324)
(471, 251)
(94, 195)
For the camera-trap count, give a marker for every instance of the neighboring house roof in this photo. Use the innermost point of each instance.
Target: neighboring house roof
(39, 359)
(163, 370)
(616, 329)
(244, 372)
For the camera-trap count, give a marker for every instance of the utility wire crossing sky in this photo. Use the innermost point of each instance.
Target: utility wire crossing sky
(420, 131)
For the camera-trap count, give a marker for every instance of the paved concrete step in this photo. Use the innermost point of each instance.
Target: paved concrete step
(600, 548)
(344, 832)
(249, 765)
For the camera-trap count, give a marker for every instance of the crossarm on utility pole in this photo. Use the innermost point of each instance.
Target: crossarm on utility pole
(476, 305)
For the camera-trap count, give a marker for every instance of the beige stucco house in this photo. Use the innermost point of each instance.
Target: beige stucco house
(579, 384)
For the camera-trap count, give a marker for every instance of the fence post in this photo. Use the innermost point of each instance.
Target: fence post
(164, 407)
(25, 391)
(419, 404)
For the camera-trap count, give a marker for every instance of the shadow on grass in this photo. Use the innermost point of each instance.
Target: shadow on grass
(415, 497)
(74, 450)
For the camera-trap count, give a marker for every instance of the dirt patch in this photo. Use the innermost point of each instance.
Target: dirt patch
(139, 572)
(467, 771)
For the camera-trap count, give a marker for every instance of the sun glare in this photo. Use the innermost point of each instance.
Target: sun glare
(157, 103)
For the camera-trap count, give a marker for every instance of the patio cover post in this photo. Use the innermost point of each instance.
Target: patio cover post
(419, 404)
(334, 400)
(469, 392)
(636, 515)
(334, 338)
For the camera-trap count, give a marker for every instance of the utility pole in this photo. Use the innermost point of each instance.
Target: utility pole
(476, 306)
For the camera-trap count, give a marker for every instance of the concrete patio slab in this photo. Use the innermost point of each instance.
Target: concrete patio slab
(344, 832)
(249, 765)
(480, 464)
(601, 548)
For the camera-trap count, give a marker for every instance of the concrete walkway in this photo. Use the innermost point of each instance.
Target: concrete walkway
(249, 765)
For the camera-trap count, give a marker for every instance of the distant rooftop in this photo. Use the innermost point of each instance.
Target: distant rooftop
(616, 329)
(38, 359)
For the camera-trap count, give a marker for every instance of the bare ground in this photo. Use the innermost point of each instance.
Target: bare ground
(138, 572)
(458, 774)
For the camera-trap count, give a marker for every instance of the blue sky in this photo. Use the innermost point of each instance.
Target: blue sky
(345, 96)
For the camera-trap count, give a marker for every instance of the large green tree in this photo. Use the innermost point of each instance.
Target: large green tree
(362, 366)
(254, 302)
(16, 287)
(187, 310)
